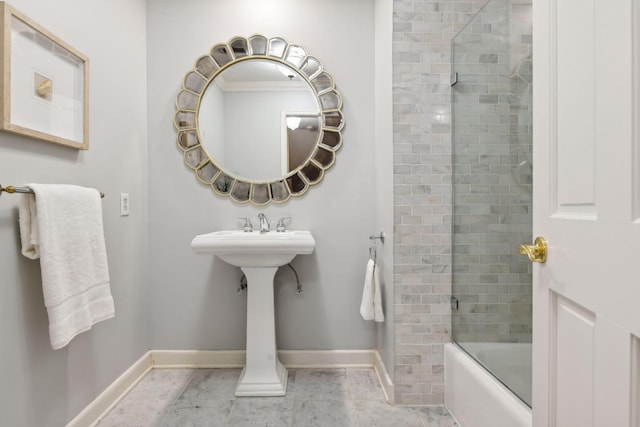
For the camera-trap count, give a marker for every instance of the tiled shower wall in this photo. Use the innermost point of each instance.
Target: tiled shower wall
(422, 31)
(492, 141)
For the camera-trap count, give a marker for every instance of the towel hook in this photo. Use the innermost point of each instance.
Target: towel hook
(380, 236)
(373, 249)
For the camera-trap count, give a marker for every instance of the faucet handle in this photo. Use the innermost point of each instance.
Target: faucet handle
(281, 226)
(248, 227)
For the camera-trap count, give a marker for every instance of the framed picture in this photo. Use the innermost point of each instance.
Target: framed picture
(45, 83)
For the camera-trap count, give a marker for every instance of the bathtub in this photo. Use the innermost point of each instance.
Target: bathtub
(475, 397)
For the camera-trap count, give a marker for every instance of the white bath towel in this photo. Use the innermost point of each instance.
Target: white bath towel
(29, 231)
(378, 313)
(62, 225)
(371, 304)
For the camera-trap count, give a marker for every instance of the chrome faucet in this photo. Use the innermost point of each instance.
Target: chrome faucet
(264, 223)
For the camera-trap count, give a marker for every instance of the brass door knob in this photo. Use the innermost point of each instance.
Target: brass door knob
(536, 252)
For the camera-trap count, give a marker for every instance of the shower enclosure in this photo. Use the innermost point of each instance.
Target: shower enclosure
(492, 191)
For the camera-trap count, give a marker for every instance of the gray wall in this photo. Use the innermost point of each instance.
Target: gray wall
(194, 303)
(40, 386)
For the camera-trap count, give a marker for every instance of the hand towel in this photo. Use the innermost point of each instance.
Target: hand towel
(378, 314)
(366, 305)
(63, 225)
(371, 304)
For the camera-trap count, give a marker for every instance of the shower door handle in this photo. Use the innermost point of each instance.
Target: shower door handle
(536, 252)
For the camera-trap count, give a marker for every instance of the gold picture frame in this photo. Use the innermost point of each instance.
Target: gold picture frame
(44, 84)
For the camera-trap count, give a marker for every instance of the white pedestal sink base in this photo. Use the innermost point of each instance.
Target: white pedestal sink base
(246, 386)
(258, 255)
(263, 374)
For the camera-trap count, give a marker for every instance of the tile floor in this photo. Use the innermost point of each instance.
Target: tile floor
(315, 397)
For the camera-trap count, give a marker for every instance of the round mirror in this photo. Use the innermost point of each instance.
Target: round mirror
(259, 120)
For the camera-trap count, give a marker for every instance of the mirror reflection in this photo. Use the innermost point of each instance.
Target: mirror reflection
(259, 120)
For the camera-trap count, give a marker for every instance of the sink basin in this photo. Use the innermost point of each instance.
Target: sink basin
(255, 249)
(258, 255)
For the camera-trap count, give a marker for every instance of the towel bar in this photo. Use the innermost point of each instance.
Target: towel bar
(11, 189)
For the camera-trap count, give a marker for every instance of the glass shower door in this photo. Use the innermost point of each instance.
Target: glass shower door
(492, 187)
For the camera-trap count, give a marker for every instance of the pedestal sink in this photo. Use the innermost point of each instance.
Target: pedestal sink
(258, 255)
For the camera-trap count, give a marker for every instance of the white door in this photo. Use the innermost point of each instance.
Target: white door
(587, 205)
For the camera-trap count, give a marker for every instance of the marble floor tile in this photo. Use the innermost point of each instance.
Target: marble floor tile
(135, 414)
(211, 388)
(197, 416)
(146, 404)
(364, 385)
(325, 413)
(262, 411)
(315, 397)
(436, 416)
(381, 414)
(321, 384)
(161, 384)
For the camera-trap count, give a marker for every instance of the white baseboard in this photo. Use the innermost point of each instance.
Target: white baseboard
(289, 358)
(198, 359)
(113, 393)
(384, 378)
(327, 358)
(164, 359)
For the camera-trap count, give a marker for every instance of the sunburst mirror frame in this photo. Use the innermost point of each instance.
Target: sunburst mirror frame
(240, 189)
